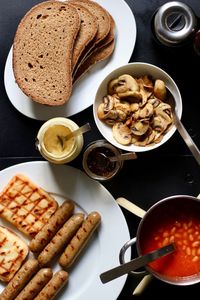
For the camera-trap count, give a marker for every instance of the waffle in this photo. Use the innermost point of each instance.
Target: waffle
(25, 205)
(13, 252)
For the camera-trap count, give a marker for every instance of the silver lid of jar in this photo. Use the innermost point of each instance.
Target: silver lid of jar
(174, 23)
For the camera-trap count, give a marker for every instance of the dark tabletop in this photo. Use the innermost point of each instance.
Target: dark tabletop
(166, 171)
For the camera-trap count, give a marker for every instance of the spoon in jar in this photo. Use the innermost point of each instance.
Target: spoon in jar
(62, 139)
(105, 160)
(74, 133)
(181, 129)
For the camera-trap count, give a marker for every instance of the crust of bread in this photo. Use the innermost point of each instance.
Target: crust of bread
(42, 52)
(102, 51)
(87, 32)
(104, 24)
(97, 55)
(109, 37)
(101, 15)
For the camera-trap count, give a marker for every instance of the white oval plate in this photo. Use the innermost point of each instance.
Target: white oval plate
(85, 89)
(102, 252)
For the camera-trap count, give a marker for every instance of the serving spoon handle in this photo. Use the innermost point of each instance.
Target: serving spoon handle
(136, 210)
(136, 263)
(186, 137)
(139, 212)
(181, 129)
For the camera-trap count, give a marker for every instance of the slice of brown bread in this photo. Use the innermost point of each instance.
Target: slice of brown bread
(109, 37)
(98, 55)
(87, 32)
(102, 16)
(103, 20)
(42, 52)
(102, 51)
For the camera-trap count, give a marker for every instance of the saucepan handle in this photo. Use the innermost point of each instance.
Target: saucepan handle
(122, 256)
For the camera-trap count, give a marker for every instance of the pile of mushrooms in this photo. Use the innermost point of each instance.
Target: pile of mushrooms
(136, 110)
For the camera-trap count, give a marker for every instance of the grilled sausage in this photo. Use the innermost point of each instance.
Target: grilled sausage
(81, 238)
(28, 269)
(60, 240)
(52, 226)
(35, 285)
(52, 288)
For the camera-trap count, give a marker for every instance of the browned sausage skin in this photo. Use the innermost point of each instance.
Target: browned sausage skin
(52, 288)
(28, 269)
(36, 284)
(47, 232)
(60, 240)
(81, 238)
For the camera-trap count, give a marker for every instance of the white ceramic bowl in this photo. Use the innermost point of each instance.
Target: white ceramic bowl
(136, 69)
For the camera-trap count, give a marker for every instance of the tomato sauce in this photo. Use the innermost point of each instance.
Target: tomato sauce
(178, 224)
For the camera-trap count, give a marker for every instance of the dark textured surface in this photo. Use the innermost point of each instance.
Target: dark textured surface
(163, 172)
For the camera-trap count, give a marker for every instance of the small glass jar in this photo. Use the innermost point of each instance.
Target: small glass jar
(52, 144)
(94, 163)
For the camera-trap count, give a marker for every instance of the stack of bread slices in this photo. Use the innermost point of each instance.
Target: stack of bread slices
(56, 43)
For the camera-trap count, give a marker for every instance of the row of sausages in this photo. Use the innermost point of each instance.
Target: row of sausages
(63, 228)
(43, 285)
(57, 233)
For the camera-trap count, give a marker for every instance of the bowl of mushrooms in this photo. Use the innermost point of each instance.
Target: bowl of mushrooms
(131, 107)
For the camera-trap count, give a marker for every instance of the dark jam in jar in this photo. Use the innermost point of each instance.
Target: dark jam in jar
(98, 165)
(96, 162)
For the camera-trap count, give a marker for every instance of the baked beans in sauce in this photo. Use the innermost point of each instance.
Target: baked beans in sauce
(176, 224)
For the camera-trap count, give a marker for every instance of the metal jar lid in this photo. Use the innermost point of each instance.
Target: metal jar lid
(174, 23)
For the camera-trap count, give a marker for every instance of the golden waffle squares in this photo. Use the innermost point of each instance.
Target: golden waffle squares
(26, 205)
